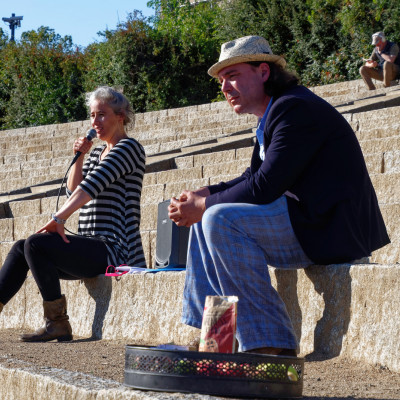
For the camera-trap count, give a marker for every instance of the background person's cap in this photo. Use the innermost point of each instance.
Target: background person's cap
(378, 36)
(245, 49)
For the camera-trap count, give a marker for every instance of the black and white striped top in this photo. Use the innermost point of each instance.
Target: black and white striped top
(113, 214)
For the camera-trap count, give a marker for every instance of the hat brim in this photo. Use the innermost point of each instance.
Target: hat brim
(214, 70)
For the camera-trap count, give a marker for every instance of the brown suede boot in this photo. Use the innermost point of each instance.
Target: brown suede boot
(56, 323)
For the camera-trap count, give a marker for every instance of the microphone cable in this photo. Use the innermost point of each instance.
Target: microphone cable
(59, 194)
(90, 134)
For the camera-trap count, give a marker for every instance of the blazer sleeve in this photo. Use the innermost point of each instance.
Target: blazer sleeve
(292, 138)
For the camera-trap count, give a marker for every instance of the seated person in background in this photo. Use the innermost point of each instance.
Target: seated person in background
(305, 199)
(107, 188)
(384, 63)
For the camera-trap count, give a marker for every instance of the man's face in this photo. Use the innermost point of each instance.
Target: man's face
(243, 87)
(380, 44)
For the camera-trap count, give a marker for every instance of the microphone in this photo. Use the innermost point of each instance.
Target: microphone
(90, 134)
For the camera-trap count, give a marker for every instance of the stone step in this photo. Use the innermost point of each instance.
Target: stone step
(353, 88)
(30, 215)
(41, 131)
(388, 130)
(381, 145)
(167, 161)
(33, 178)
(387, 187)
(391, 252)
(391, 161)
(372, 120)
(328, 306)
(382, 155)
(199, 169)
(341, 100)
(373, 103)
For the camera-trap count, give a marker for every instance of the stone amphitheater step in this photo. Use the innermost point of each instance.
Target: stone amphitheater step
(372, 120)
(389, 99)
(29, 215)
(59, 158)
(38, 177)
(32, 146)
(374, 146)
(387, 187)
(233, 162)
(324, 320)
(351, 89)
(391, 161)
(32, 168)
(388, 130)
(167, 161)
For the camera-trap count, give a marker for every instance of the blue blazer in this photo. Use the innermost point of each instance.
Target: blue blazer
(311, 151)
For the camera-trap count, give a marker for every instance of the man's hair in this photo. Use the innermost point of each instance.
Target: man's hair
(279, 79)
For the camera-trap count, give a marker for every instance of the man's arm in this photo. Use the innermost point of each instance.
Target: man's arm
(388, 57)
(372, 62)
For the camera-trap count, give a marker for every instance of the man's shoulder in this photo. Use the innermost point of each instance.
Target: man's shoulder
(302, 101)
(391, 46)
(297, 93)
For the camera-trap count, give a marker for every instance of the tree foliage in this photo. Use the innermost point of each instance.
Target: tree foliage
(322, 40)
(40, 80)
(159, 64)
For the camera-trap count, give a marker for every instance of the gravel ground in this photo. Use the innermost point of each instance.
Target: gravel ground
(334, 379)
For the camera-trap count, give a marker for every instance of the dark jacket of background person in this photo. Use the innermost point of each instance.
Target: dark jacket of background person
(312, 152)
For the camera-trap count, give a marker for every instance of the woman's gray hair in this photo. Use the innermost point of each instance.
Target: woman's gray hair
(116, 100)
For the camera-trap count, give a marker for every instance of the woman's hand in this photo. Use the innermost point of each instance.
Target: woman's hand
(53, 227)
(83, 145)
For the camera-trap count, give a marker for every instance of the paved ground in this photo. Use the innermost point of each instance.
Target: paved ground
(334, 379)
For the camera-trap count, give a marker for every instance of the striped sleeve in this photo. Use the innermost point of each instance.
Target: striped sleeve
(124, 158)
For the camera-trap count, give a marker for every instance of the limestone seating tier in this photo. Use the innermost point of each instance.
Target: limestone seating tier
(335, 309)
(29, 215)
(45, 170)
(59, 147)
(378, 162)
(390, 99)
(346, 99)
(380, 145)
(373, 120)
(17, 152)
(354, 89)
(388, 130)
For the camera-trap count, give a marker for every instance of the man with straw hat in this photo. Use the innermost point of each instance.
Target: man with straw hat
(305, 199)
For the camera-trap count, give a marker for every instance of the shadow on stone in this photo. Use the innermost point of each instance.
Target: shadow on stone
(100, 289)
(286, 285)
(333, 283)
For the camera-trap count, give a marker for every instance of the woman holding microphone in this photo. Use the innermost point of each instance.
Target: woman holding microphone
(107, 190)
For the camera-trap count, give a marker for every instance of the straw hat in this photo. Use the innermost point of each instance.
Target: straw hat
(245, 49)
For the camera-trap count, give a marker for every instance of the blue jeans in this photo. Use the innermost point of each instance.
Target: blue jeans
(229, 253)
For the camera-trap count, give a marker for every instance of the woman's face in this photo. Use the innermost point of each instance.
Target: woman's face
(105, 121)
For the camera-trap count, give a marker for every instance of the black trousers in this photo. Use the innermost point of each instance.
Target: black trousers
(50, 259)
